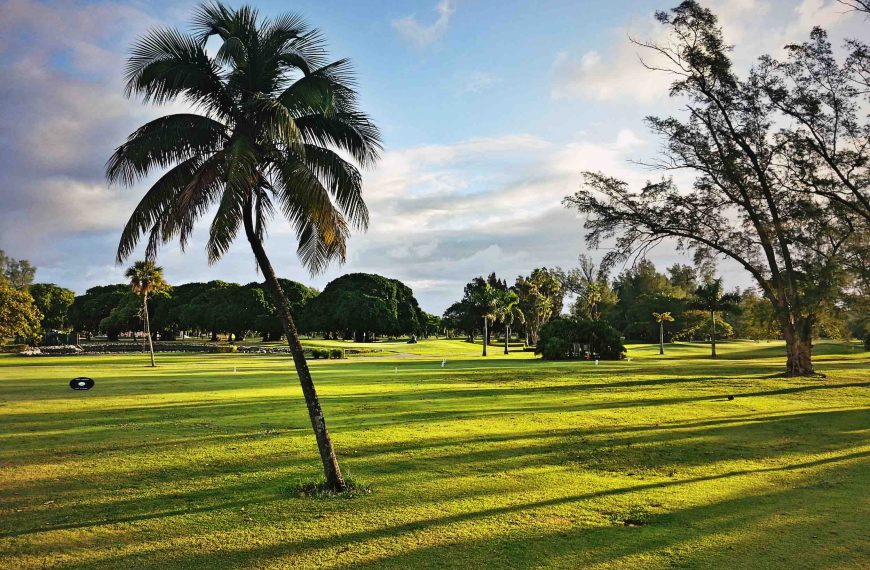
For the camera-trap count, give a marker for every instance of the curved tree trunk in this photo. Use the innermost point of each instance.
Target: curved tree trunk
(148, 327)
(713, 334)
(331, 470)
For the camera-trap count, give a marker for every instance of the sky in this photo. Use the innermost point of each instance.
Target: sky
(490, 110)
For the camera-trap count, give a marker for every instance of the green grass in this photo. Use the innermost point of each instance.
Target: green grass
(496, 463)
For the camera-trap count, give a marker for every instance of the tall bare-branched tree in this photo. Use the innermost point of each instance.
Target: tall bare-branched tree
(749, 202)
(274, 125)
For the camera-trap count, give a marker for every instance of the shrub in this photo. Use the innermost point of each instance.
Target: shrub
(13, 348)
(224, 348)
(867, 341)
(336, 353)
(557, 339)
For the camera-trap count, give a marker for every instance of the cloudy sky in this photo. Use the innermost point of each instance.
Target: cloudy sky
(490, 110)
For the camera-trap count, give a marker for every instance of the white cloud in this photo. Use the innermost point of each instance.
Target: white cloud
(614, 72)
(421, 35)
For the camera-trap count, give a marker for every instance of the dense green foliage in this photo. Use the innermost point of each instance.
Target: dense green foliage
(19, 317)
(559, 338)
(363, 306)
(88, 311)
(54, 303)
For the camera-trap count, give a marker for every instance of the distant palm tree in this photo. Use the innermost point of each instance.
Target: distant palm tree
(275, 120)
(507, 312)
(146, 278)
(661, 319)
(709, 297)
(485, 302)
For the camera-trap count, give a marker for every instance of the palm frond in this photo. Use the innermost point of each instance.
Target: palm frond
(162, 143)
(353, 133)
(166, 64)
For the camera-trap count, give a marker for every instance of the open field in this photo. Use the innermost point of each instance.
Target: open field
(507, 462)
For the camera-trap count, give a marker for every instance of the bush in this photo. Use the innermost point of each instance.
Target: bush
(316, 353)
(12, 348)
(224, 348)
(867, 341)
(336, 353)
(558, 337)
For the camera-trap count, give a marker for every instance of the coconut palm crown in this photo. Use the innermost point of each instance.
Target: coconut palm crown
(274, 122)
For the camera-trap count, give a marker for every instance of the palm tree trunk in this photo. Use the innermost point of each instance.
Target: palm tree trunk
(485, 337)
(148, 327)
(331, 470)
(507, 336)
(661, 338)
(713, 335)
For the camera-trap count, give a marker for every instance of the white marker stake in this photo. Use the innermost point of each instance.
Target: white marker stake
(443, 362)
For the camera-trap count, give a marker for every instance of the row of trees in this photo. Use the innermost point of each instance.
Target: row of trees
(641, 303)
(489, 304)
(355, 306)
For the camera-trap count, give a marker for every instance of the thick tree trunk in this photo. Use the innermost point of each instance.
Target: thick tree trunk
(331, 470)
(148, 328)
(485, 336)
(713, 335)
(799, 350)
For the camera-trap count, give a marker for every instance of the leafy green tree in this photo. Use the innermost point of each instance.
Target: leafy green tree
(661, 319)
(88, 311)
(460, 316)
(756, 319)
(695, 325)
(18, 272)
(54, 303)
(146, 278)
(364, 305)
(275, 119)
(749, 189)
(591, 288)
(19, 316)
(541, 297)
(125, 317)
(559, 336)
(641, 290)
(710, 297)
(298, 296)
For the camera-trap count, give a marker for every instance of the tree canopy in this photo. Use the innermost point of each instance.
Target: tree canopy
(362, 305)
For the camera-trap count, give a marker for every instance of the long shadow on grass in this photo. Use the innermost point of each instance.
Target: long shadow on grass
(714, 518)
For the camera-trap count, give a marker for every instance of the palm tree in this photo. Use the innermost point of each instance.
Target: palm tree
(709, 297)
(146, 278)
(661, 318)
(485, 303)
(274, 122)
(508, 312)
